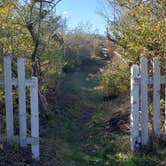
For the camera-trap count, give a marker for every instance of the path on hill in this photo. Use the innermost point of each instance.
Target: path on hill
(85, 130)
(81, 98)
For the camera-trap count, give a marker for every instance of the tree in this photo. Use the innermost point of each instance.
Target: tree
(79, 44)
(14, 39)
(30, 28)
(33, 14)
(139, 27)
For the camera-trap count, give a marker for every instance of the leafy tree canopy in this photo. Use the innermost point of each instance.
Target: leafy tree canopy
(139, 27)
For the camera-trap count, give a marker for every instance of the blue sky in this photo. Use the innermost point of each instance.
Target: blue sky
(78, 11)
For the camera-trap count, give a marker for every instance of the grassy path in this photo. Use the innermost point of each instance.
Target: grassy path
(79, 101)
(81, 129)
(85, 130)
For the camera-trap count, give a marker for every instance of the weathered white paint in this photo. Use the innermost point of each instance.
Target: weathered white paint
(29, 140)
(8, 97)
(144, 100)
(28, 82)
(134, 116)
(22, 101)
(162, 80)
(34, 116)
(21, 82)
(143, 81)
(156, 96)
(164, 136)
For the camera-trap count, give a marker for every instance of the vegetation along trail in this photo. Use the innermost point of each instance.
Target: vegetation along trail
(83, 71)
(80, 100)
(86, 128)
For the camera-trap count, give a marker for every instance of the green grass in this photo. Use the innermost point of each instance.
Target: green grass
(78, 126)
(77, 129)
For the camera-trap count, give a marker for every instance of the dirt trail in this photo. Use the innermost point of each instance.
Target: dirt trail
(79, 90)
(80, 98)
(81, 126)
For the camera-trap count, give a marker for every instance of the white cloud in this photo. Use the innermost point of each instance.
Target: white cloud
(65, 13)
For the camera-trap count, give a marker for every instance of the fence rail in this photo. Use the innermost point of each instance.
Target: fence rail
(21, 82)
(139, 117)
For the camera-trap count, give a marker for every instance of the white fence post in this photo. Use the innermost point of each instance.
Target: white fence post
(156, 97)
(144, 100)
(8, 97)
(134, 116)
(164, 136)
(34, 117)
(21, 82)
(22, 101)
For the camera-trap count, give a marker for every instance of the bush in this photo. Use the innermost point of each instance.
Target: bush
(115, 79)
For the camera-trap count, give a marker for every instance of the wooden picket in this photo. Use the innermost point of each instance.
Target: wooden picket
(144, 102)
(156, 96)
(8, 97)
(21, 82)
(139, 102)
(134, 120)
(22, 101)
(35, 116)
(165, 116)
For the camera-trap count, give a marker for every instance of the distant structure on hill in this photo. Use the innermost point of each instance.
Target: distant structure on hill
(105, 52)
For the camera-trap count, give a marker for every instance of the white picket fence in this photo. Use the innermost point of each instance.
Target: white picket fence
(139, 120)
(21, 82)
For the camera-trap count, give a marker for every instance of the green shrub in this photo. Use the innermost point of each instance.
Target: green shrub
(115, 80)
